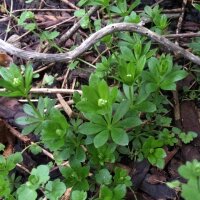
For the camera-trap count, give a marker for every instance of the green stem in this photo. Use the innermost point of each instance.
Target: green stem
(135, 197)
(130, 93)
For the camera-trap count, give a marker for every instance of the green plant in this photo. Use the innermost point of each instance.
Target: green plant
(39, 178)
(28, 22)
(153, 151)
(113, 187)
(162, 74)
(85, 20)
(14, 82)
(160, 20)
(191, 172)
(7, 182)
(122, 111)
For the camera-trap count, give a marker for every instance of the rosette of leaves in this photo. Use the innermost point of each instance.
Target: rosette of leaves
(97, 97)
(35, 116)
(104, 154)
(110, 128)
(153, 151)
(15, 83)
(113, 187)
(76, 176)
(6, 165)
(39, 177)
(162, 74)
(54, 130)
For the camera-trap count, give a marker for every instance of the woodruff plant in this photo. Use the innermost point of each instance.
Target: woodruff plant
(117, 118)
(112, 114)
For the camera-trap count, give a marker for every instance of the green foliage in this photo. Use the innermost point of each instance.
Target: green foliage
(97, 97)
(54, 130)
(76, 176)
(160, 20)
(162, 74)
(113, 187)
(7, 182)
(102, 155)
(36, 116)
(168, 137)
(15, 83)
(185, 137)
(54, 189)
(121, 112)
(195, 45)
(197, 6)
(153, 151)
(39, 177)
(22, 21)
(85, 20)
(110, 127)
(48, 36)
(35, 149)
(191, 172)
(121, 8)
(78, 195)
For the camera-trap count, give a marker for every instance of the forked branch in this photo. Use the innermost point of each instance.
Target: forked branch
(93, 39)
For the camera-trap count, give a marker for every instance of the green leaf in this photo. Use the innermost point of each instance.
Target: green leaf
(28, 109)
(191, 170)
(119, 136)
(119, 192)
(105, 193)
(146, 106)
(23, 192)
(187, 138)
(190, 191)
(24, 16)
(47, 35)
(28, 77)
(197, 6)
(79, 13)
(78, 195)
(130, 122)
(54, 189)
(103, 177)
(121, 110)
(42, 173)
(13, 159)
(174, 184)
(35, 149)
(2, 147)
(80, 154)
(89, 128)
(101, 138)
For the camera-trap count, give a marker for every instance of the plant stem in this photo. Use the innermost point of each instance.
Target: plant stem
(130, 93)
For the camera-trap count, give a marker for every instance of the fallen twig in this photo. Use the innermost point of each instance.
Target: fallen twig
(93, 39)
(51, 90)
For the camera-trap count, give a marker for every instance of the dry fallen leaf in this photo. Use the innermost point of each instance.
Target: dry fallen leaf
(5, 59)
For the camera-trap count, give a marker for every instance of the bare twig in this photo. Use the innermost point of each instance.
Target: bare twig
(51, 90)
(183, 35)
(44, 10)
(70, 4)
(94, 38)
(65, 105)
(76, 26)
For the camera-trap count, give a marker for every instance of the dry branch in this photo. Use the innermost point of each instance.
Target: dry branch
(93, 39)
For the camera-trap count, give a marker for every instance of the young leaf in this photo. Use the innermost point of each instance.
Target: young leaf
(119, 136)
